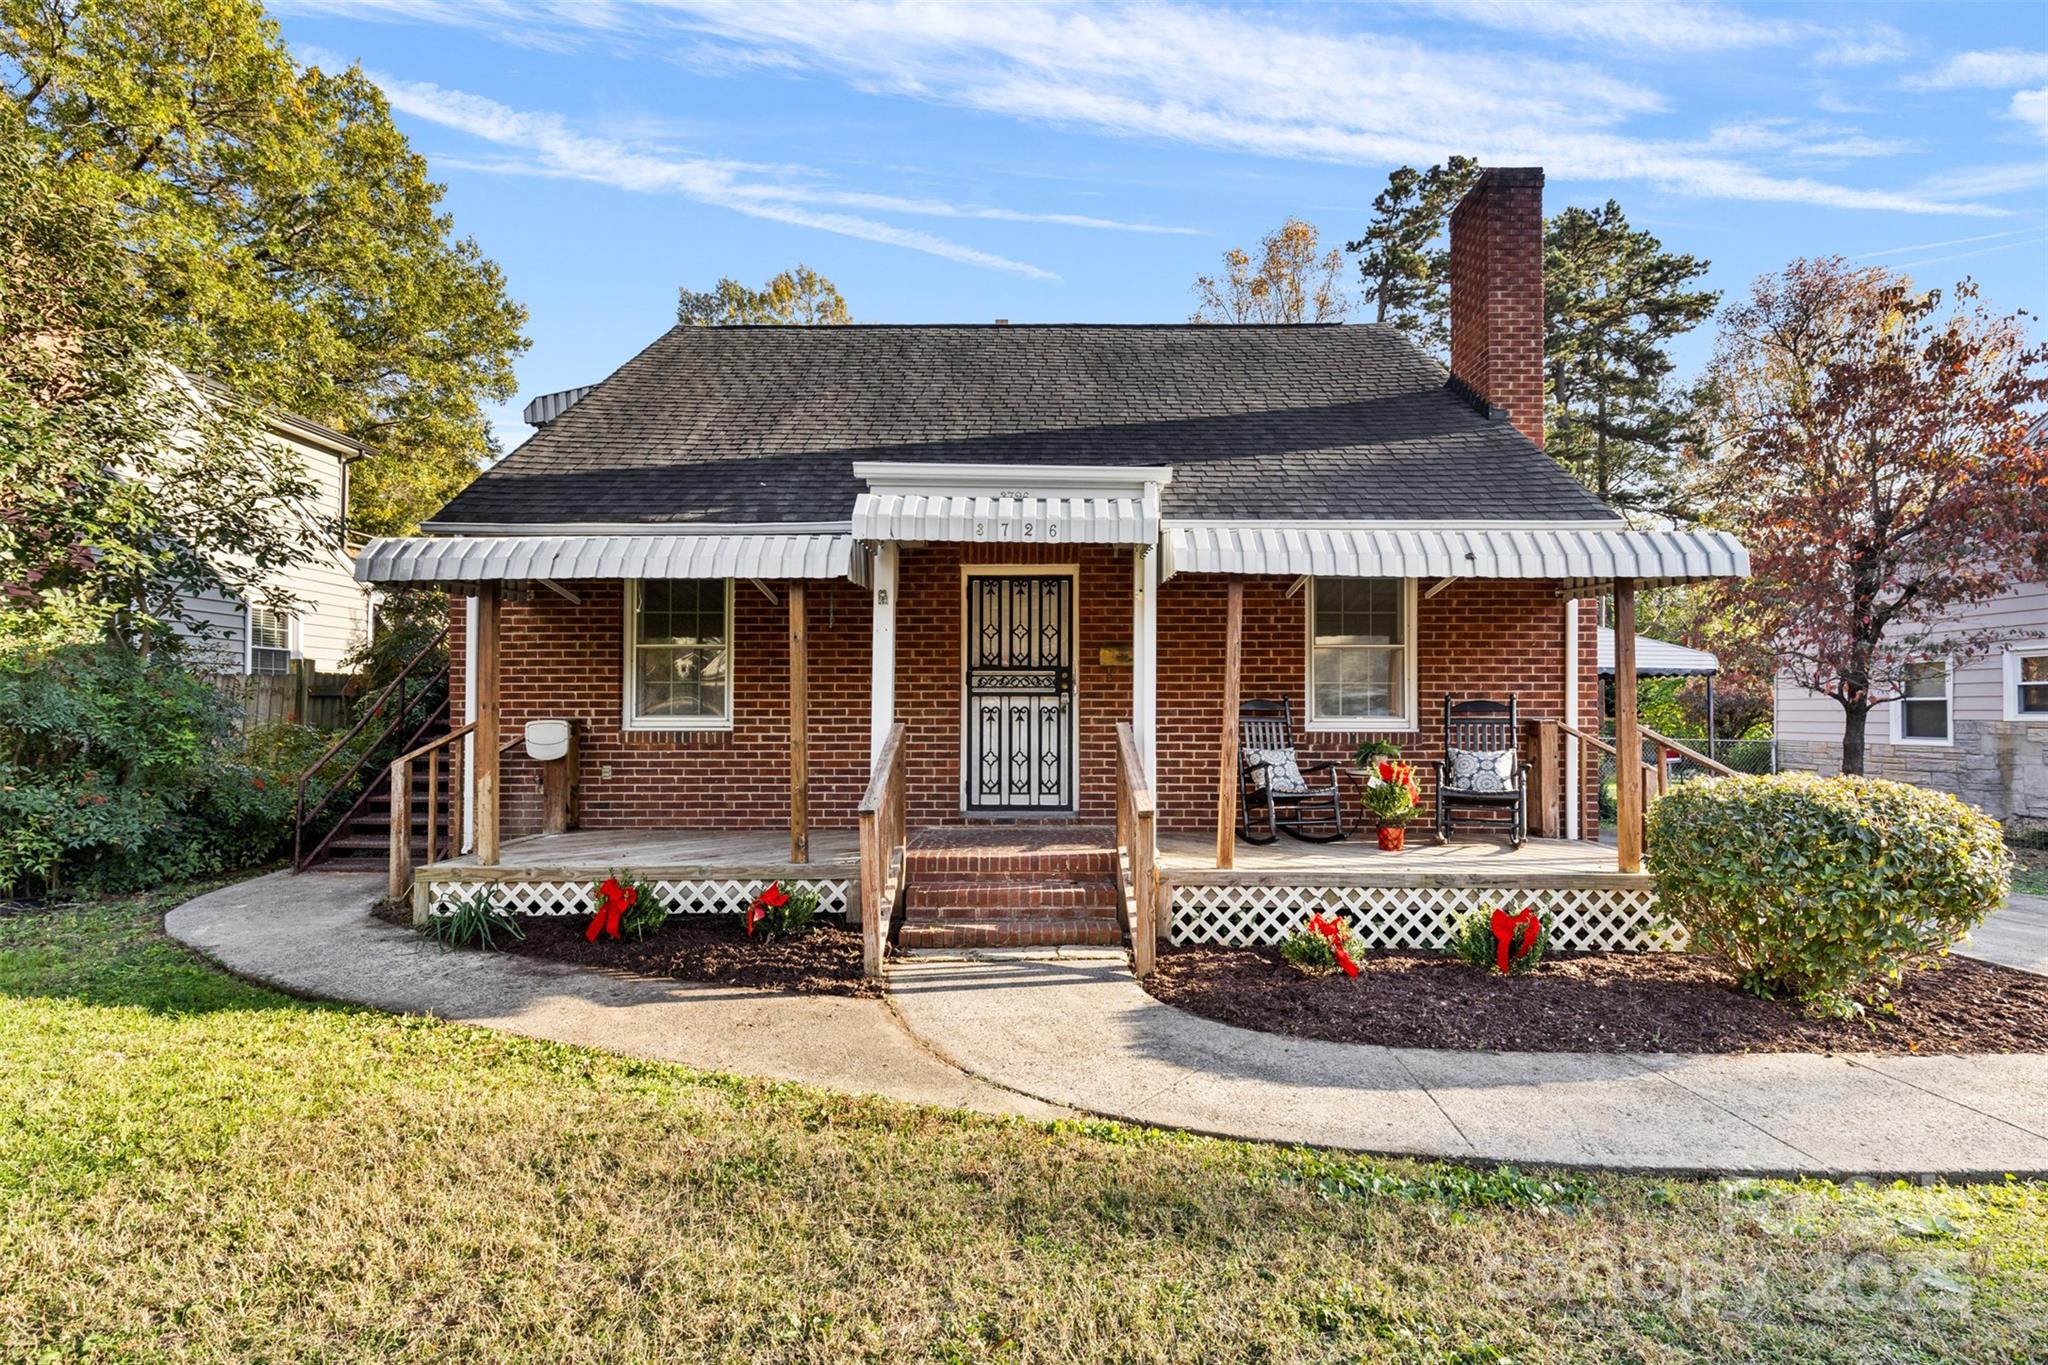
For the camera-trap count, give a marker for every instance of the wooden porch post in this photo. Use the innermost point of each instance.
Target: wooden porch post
(1628, 747)
(1226, 743)
(487, 643)
(799, 730)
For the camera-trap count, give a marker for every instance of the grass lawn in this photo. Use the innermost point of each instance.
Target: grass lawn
(193, 1167)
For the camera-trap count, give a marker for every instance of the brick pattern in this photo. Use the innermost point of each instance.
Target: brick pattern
(1015, 886)
(1497, 294)
(1477, 637)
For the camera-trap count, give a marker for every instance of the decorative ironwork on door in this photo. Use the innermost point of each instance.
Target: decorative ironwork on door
(1020, 692)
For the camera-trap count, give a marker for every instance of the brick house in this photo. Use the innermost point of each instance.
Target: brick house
(742, 563)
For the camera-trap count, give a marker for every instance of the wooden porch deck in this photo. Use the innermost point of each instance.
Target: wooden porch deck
(1190, 860)
(662, 853)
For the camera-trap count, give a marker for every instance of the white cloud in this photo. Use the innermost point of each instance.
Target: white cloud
(2000, 68)
(1864, 47)
(1632, 25)
(2031, 108)
(1279, 84)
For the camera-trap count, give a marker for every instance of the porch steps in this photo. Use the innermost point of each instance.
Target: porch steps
(1027, 885)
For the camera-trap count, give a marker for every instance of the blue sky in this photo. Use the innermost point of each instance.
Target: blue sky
(1048, 163)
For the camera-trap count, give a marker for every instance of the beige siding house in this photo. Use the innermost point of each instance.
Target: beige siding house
(322, 614)
(1979, 730)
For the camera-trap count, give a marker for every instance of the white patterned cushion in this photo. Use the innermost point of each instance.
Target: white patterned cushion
(1481, 770)
(1282, 772)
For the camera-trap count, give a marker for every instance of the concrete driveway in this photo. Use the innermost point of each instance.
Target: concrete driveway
(2014, 936)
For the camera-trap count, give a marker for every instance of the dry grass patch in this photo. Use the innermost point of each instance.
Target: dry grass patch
(194, 1168)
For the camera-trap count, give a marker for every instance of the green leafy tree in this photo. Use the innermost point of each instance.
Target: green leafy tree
(1294, 281)
(125, 485)
(1614, 300)
(284, 230)
(1404, 257)
(800, 297)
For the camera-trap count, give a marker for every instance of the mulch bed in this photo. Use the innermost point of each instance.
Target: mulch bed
(1596, 1002)
(707, 948)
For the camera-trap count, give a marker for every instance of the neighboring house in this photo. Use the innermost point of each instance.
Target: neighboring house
(740, 562)
(327, 617)
(1979, 730)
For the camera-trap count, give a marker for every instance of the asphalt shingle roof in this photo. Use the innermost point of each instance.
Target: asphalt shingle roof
(764, 424)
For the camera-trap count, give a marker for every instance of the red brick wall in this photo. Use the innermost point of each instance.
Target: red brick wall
(564, 660)
(1476, 638)
(1497, 294)
(930, 670)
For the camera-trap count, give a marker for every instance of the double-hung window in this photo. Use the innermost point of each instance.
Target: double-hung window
(1922, 711)
(1361, 654)
(2026, 682)
(679, 654)
(270, 640)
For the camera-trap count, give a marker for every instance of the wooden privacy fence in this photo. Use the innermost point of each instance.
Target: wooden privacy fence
(300, 696)
(883, 813)
(1137, 850)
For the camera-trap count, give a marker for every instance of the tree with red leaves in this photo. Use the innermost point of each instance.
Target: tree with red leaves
(1882, 455)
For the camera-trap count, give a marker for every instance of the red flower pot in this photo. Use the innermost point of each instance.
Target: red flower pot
(1392, 837)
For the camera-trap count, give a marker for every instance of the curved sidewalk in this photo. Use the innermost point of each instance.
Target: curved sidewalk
(312, 935)
(1085, 1035)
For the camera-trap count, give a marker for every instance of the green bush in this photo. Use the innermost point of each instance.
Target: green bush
(1472, 940)
(1314, 954)
(476, 921)
(120, 770)
(1821, 887)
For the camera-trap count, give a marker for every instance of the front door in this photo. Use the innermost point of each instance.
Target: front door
(1019, 750)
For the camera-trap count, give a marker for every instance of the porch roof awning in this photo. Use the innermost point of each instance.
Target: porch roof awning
(691, 554)
(1073, 520)
(1660, 658)
(1578, 556)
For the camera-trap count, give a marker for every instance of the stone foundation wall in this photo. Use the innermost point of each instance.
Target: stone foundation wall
(2001, 767)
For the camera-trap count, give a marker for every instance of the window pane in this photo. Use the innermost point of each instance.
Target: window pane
(1927, 679)
(680, 650)
(682, 611)
(1356, 683)
(1358, 611)
(2034, 698)
(2034, 668)
(270, 628)
(1926, 719)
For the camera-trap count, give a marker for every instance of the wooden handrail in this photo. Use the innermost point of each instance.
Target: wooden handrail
(1575, 732)
(1709, 764)
(301, 816)
(437, 742)
(400, 878)
(883, 814)
(1137, 843)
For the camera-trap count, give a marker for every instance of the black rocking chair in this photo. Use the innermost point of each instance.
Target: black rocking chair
(1482, 765)
(1273, 789)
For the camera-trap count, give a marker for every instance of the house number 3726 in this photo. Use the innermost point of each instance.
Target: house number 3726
(1023, 530)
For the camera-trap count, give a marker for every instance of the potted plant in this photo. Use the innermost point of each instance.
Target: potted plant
(1373, 750)
(1391, 794)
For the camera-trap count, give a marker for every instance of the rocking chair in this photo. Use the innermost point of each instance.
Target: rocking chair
(1482, 766)
(1273, 787)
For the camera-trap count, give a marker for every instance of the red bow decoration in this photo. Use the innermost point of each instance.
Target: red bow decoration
(774, 898)
(617, 901)
(1332, 929)
(1506, 926)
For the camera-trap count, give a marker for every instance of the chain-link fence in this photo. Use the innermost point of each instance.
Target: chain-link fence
(1758, 756)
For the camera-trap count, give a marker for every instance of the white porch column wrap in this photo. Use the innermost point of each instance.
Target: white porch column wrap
(1145, 656)
(468, 717)
(1572, 775)
(882, 685)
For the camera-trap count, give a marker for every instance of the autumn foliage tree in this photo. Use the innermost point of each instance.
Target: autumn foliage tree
(800, 297)
(1293, 280)
(1878, 448)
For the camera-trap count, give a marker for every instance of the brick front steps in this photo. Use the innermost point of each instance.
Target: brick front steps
(1035, 885)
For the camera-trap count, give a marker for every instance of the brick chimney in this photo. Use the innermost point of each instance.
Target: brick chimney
(1497, 294)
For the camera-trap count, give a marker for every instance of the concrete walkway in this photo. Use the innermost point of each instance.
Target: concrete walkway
(1084, 1034)
(312, 935)
(2014, 936)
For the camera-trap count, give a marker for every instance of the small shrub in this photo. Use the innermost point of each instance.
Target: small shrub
(1372, 751)
(476, 921)
(1473, 941)
(647, 913)
(777, 913)
(1313, 952)
(1821, 887)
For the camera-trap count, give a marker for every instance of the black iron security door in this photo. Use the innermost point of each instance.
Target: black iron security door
(1020, 692)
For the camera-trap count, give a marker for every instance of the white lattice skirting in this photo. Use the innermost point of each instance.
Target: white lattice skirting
(696, 896)
(1591, 918)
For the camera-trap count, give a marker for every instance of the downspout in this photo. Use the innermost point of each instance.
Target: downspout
(1573, 779)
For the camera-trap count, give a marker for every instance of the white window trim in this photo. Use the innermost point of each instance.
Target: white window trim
(2010, 690)
(1948, 698)
(292, 647)
(629, 692)
(1410, 648)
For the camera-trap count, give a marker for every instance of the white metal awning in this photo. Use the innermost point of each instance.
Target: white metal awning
(1660, 658)
(694, 554)
(1070, 520)
(1020, 503)
(1578, 556)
